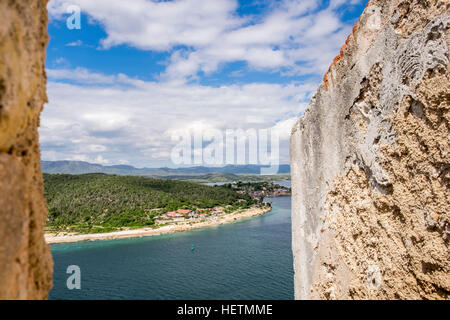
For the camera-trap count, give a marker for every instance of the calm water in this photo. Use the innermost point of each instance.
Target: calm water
(248, 259)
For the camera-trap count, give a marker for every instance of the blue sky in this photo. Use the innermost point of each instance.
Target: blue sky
(139, 71)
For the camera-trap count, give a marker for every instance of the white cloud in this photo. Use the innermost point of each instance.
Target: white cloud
(215, 34)
(95, 148)
(283, 128)
(117, 119)
(122, 119)
(85, 76)
(152, 25)
(75, 43)
(99, 159)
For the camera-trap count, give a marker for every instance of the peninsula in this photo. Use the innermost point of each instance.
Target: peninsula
(100, 206)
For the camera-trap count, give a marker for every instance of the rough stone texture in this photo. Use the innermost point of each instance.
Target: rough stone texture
(370, 162)
(25, 260)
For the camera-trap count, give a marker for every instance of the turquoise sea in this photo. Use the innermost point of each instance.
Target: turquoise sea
(247, 259)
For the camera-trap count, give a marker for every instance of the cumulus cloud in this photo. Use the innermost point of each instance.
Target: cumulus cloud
(87, 77)
(124, 119)
(114, 118)
(211, 33)
(75, 43)
(152, 25)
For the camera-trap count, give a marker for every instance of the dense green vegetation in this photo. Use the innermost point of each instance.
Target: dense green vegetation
(103, 203)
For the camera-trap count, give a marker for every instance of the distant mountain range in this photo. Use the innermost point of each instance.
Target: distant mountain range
(80, 167)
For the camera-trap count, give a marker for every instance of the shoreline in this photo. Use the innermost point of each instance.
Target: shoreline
(53, 238)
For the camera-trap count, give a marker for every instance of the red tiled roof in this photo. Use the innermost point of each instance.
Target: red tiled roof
(173, 214)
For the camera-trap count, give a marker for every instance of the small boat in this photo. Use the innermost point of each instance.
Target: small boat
(192, 248)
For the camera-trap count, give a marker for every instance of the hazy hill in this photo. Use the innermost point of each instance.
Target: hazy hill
(81, 167)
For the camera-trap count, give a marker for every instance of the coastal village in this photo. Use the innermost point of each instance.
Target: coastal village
(181, 215)
(257, 191)
(260, 190)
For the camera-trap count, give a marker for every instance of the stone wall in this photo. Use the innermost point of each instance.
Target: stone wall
(25, 261)
(370, 162)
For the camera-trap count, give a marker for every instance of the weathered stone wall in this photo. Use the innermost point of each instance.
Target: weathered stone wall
(370, 162)
(25, 261)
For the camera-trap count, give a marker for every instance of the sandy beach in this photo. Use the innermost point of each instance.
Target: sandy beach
(61, 237)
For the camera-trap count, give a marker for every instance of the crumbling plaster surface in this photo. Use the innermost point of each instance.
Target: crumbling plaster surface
(25, 260)
(370, 162)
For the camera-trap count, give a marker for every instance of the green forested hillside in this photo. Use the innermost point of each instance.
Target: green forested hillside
(100, 202)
